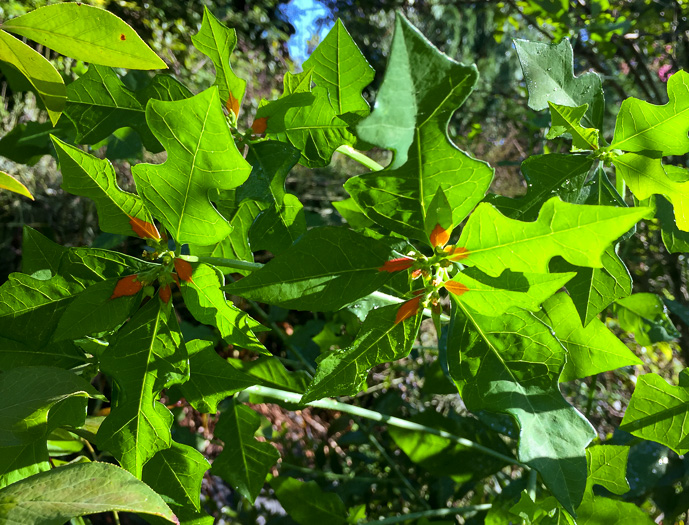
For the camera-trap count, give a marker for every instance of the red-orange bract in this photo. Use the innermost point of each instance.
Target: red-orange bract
(396, 265)
(232, 105)
(127, 286)
(408, 309)
(456, 288)
(457, 253)
(260, 125)
(144, 229)
(183, 269)
(164, 292)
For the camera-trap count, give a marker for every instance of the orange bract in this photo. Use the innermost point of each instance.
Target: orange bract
(183, 269)
(144, 229)
(408, 309)
(439, 236)
(164, 292)
(260, 125)
(455, 287)
(232, 105)
(127, 286)
(396, 265)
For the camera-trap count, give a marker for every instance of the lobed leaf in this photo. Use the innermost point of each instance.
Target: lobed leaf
(494, 242)
(217, 42)
(244, 462)
(566, 119)
(641, 126)
(202, 156)
(421, 90)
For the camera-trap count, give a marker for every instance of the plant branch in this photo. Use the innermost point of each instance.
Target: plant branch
(360, 158)
(434, 513)
(331, 404)
(227, 263)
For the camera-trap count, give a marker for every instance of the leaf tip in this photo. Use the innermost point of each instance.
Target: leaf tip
(143, 229)
(408, 309)
(439, 236)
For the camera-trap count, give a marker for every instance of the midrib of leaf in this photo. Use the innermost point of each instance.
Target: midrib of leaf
(575, 128)
(171, 468)
(193, 164)
(616, 145)
(561, 87)
(218, 47)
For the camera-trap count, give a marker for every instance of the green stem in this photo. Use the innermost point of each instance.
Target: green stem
(360, 158)
(331, 404)
(592, 395)
(227, 263)
(332, 475)
(531, 484)
(434, 513)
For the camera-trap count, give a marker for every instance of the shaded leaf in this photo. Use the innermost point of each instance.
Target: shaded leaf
(306, 503)
(244, 462)
(511, 364)
(86, 33)
(98, 103)
(549, 73)
(380, 340)
(645, 315)
(566, 119)
(212, 378)
(408, 120)
(202, 156)
(324, 270)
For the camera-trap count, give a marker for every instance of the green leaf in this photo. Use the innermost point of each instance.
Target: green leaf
(351, 212)
(566, 119)
(309, 122)
(594, 289)
(206, 302)
(658, 411)
(29, 394)
(549, 73)
(606, 467)
(22, 461)
(674, 239)
(511, 364)
(578, 233)
(441, 456)
(645, 315)
(494, 296)
(202, 156)
(42, 75)
(27, 143)
(269, 371)
(278, 217)
(380, 340)
(88, 176)
(8, 182)
(338, 65)
(408, 119)
(176, 473)
(554, 173)
(590, 350)
(147, 355)
(217, 42)
(93, 311)
(98, 103)
(645, 176)
(642, 126)
(86, 33)
(212, 378)
(324, 270)
(244, 462)
(54, 497)
(306, 503)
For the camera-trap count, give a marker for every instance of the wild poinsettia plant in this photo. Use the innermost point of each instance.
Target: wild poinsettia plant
(514, 286)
